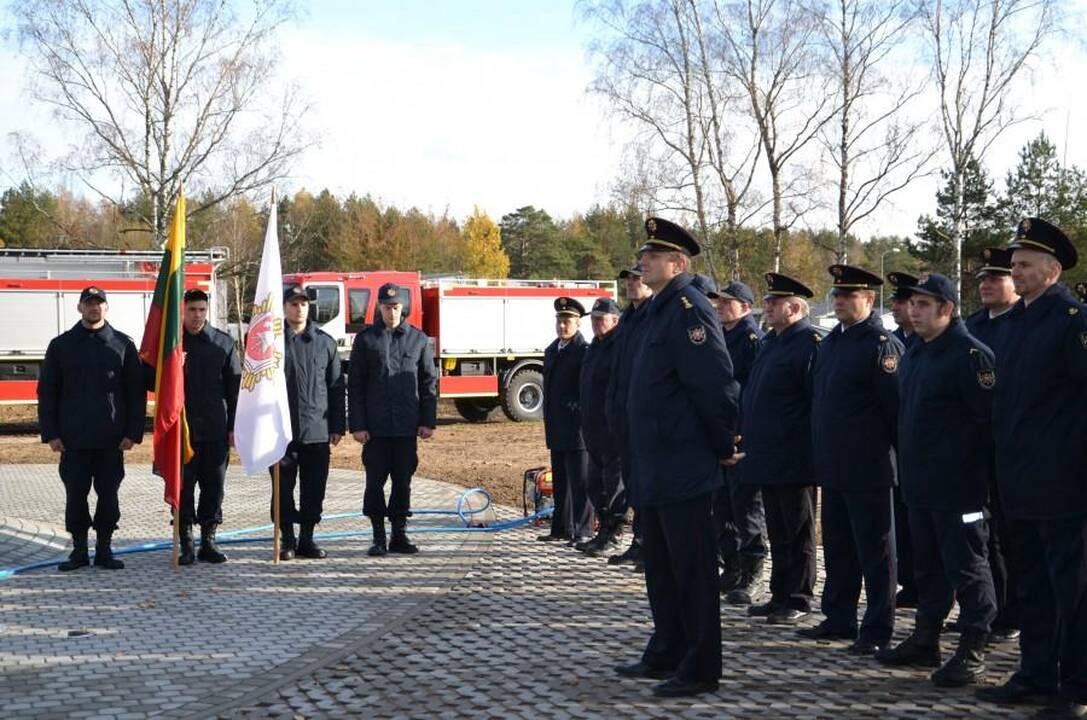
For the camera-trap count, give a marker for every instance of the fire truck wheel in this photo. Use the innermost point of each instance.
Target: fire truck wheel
(523, 399)
(475, 410)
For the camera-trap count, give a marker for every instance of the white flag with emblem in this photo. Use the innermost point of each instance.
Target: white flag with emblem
(262, 424)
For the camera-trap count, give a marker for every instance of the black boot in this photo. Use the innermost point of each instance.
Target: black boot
(209, 551)
(103, 553)
(967, 665)
(630, 556)
(730, 573)
(287, 542)
(611, 532)
(185, 556)
(306, 547)
(750, 585)
(920, 649)
(378, 547)
(78, 557)
(399, 543)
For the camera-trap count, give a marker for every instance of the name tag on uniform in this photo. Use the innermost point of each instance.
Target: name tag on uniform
(973, 517)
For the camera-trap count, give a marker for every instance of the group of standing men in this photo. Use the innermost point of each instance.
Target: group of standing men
(957, 445)
(92, 401)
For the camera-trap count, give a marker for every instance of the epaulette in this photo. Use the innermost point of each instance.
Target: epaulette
(817, 337)
(686, 303)
(753, 337)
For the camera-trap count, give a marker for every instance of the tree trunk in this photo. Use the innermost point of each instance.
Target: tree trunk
(779, 231)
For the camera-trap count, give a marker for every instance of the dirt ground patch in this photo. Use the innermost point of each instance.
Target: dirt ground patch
(493, 454)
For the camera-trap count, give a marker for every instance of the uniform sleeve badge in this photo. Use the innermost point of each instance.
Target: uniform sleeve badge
(889, 363)
(987, 378)
(696, 334)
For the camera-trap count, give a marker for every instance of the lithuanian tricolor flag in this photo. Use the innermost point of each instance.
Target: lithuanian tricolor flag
(161, 349)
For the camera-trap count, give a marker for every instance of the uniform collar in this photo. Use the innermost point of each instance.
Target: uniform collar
(308, 333)
(956, 329)
(745, 324)
(799, 326)
(672, 288)
(398, 330)
(104, 333)
(203, 334)
(1053, 293)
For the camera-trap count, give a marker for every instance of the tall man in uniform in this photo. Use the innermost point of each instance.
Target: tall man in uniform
(944, 431)
(682, 413)
(91, 408)
(626, 342)
(998, 296)
(605, 482)
(1040, 429)
(573, 515)
(315, 394)
(393, 401)
(737, 508)
(854, 418)
(212, 377)
(776, 430)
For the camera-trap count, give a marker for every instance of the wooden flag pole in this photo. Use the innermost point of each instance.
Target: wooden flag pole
(177, 535)
(275, 511)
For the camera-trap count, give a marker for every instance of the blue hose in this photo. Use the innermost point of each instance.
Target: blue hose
(234, 537)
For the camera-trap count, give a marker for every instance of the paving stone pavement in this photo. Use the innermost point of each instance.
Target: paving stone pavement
(484, 625)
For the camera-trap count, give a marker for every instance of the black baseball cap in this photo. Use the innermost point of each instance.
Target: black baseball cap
(92, 293)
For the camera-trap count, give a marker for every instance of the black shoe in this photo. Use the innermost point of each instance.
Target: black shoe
(786, 616)
(766, 609)
(287, 542)
(1064, 709)
(378, 549)
(307, 548)
(641, 670)
(103, 553)
(400, 543)
(684, 688)
(1003, 635)
(1014, 692)
(628, 557)
(552, 538)
(920, 649)
(209, 551)
(606, 539)
(967, 665)
(730, 573)
(79, 557)
(826, 631)
(865, 647)
(749, 586)
(639, 567)
(906, 599)
(186, 554)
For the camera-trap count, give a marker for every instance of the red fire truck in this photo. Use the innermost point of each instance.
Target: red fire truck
(488, 335)
(39, 292)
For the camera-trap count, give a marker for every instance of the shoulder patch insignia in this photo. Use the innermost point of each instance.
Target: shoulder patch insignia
(686, 303)
(889, 363)
(696, 334)
(883, 338)
(753, 337)
(1073, 310)
(987, 378)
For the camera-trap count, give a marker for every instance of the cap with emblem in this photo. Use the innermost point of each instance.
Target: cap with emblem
(995, 261)
(605, 306)
(195, 295)
(848, 278)
(778, 285)
(1043, 236)
(938, 286)
(389, 294)
(568, 307)
(737, 290)
(902, 283)
(664, 235)
(294, 293)
(635, 271)
(92, 293)
(704, 284)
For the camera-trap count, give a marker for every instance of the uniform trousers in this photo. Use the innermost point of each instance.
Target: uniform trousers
(790, 525)
(384, 458)
(307, 465)
(573, 516)
(79, 471)
(207, 469)
(739, 518)
(605, 486)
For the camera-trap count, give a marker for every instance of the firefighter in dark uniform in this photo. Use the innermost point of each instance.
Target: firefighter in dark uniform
(91, 408)
(737, 509)
(212, 377)
(944, 431)
(315, 393)
(605, 482)
(626, 342)
(900, 302)
(572, 518)
(682, 414)
(393, 401)
(854, 417)
(1040, 430)
(776, 430)
(998, 296)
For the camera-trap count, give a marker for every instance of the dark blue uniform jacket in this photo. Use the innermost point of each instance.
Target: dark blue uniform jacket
(392, 381)
(315, 387)
(627, 337)
(562, 394)
(212, 376)
(596, 369)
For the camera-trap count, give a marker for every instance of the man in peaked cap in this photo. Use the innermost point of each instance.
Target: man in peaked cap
(776, 430)
(900, 304)
(682, 416)
(737, 508)
(626, 338)
(393, 403)
(563, 358)
(998, 296)
(1039, 427)
(944, 431)
(91, 409)
(854, 426)
(605, 481)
